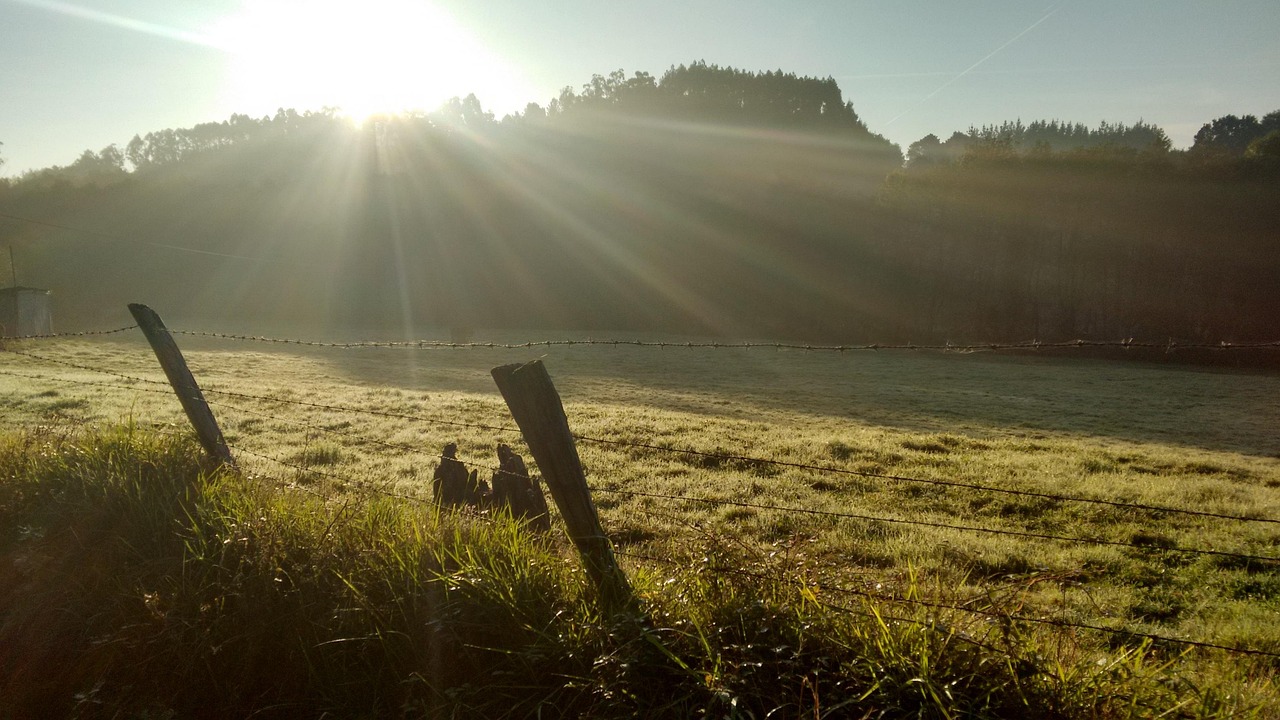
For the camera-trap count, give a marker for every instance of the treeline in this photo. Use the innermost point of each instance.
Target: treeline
(1058, 230)
(1040, 137)
(170, 146)
(706, 200)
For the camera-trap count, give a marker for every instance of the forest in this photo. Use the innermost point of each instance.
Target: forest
(708, 200)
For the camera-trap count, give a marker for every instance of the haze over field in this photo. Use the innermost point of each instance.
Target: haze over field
(704, 198)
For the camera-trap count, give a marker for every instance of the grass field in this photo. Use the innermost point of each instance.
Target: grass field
(1130, 433)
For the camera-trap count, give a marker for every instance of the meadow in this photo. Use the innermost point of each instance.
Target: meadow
(951, 501)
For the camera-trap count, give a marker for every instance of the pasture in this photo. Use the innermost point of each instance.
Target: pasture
(897, 519)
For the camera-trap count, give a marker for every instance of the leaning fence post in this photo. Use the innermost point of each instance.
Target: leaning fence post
(537, 409)
(184, 384)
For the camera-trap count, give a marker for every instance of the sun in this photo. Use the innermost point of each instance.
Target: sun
(367, 57)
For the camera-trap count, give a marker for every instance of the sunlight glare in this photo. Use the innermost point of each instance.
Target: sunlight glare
(375, 56)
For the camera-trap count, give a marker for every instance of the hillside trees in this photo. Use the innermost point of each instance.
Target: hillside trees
(1041, 137)
(1103, 241)
(707, 93)
(1265, 147)
(174, 145)
(656, 203)
(1233, 135)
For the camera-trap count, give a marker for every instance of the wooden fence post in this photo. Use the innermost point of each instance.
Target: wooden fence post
(537, 409)
(184, 384)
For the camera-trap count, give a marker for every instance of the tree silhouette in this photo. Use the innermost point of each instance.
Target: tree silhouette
(707, 199)
(1232, 135)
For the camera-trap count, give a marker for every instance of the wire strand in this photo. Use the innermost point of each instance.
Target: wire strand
(960, 608)
(83, 333)
(852, 516)
(925, 481)
(699, 453)
(944, 526)
(1129, 343)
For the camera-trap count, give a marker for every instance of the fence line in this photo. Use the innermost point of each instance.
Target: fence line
(358, 438)
(926, 481)
(348, 481)
(925, 523)
(77, 366)
(83, 333)
(283, 401)
(709, 455)
(345, 479)
(1145, 547)
(330, 431)
(829, 587)
(1169, 345)
(362, 486)
(69, 381)
(975, 611)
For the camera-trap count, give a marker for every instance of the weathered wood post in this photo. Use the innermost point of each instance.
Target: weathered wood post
(516, 489)
(449, 486)
(184, 384)
(536, 407)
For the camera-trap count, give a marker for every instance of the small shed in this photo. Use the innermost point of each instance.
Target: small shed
(25, 311)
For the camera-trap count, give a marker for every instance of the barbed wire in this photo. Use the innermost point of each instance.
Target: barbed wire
(345, 479)
(360, 438)
(352, 483)
(364, 411)
(78, 366)
(829, 587)
(1129, 343)
(284, 401)
(881, 597)
(966, 347)
(276, 418)
(720, 457)
(1146, 547)
(87, 382)
(83, 333)
(361, 486)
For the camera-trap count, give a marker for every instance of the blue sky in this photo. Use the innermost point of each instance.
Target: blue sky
(81, 74)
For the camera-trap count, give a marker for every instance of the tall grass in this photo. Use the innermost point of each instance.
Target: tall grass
(137, 581)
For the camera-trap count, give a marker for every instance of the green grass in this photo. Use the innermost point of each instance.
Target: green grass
(139, 582)
(1160, 435)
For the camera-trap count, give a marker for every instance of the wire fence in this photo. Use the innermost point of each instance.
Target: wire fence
(128, 382)
(83, 333)
(724, 457)
(1169, 345)
(719, 457)
(1001, 615)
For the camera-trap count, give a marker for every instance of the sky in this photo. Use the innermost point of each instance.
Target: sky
(83, 74)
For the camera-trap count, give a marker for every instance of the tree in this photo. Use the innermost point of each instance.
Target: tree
(462, 113)
(926, 149)
(1229, 134)
(532, 113)
(1266, 147)
(135, 153)
(1050, 136)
